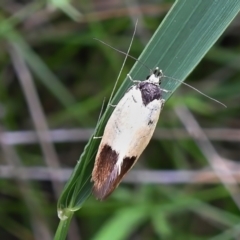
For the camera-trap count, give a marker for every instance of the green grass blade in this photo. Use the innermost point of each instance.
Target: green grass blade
(67, 8)
(129, 219)
(41, 70)
(63, 226)
(36, 64)
(181, 41)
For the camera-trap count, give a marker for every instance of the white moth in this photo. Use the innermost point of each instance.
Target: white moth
(127, 133)
(129, 130)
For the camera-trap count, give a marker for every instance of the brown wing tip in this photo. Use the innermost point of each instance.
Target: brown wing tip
(104, 172)
(106, 175)
(101, 190)
(99, 193)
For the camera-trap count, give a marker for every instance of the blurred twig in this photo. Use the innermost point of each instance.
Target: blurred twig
(109, 13)
(40, 123)
(217, 162)
(135, 176)
(39, 224)
(36, 112)
(83, 134)
(141, 32)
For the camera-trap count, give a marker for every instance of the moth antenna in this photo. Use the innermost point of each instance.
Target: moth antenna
(127, 55)
(125, 59)
(130, 56)
(213, 99)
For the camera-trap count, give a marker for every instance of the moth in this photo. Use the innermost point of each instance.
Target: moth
(129, 129)
(127, 133)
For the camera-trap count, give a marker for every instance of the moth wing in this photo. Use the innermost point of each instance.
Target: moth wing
(127, 133)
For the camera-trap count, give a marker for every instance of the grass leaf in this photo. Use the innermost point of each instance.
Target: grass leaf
(178, 45)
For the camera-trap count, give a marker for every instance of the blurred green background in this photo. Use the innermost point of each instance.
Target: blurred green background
(53, 80)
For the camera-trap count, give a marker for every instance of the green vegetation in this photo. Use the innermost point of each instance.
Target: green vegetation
(55, 76)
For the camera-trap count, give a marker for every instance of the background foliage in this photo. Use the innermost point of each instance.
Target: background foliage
(54, 78)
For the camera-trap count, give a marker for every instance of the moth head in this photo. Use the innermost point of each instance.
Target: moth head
(156, 76)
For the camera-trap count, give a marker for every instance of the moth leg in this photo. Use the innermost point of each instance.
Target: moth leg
(165, 90)
(134, 81)
(111, 105)
(97, 137)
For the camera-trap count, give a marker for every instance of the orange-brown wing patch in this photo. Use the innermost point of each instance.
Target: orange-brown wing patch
(103, 167)
(128, 163)
(105, 173)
